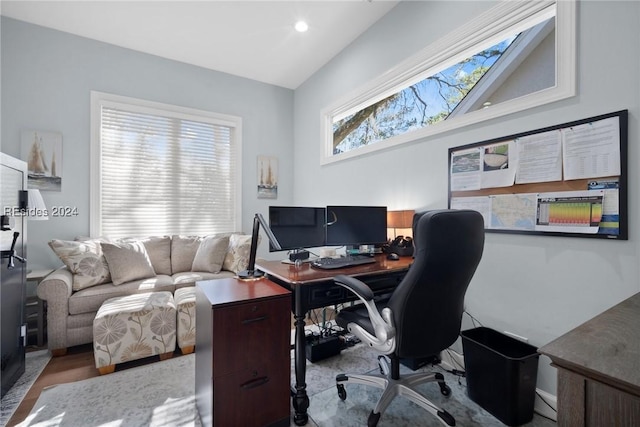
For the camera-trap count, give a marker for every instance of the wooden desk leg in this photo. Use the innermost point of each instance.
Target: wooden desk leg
(300, 399)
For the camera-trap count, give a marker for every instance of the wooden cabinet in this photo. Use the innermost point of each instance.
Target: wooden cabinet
(599, 369)
(34, 309)
(243, 353)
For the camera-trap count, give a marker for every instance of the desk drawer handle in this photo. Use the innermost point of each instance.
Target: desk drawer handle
(255, 383)
(255, 319)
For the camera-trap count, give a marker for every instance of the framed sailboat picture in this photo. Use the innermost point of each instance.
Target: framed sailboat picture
(43, 153)
(267, 177)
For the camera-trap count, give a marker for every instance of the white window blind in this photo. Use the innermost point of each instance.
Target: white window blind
(163, 171)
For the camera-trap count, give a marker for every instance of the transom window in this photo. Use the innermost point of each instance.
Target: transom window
(159, 169)
(427, 102)
(504, 61)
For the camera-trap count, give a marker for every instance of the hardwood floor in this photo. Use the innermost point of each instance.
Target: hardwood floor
(78, 364)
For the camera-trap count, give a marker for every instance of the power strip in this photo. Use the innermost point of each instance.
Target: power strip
(319, 348)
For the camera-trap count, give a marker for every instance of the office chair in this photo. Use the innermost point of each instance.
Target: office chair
(422, 316)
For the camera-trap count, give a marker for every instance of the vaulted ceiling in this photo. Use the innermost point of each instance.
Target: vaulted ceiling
(252, 39)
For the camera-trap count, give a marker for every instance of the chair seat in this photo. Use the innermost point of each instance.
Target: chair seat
(358, 314)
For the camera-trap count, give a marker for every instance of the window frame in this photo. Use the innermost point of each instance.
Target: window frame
(100, 99)
(484, 31)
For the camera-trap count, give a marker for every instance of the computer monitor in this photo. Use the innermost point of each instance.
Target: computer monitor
(356, 225)
(297, 227)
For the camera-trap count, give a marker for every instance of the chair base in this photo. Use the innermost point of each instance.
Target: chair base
(401, 386)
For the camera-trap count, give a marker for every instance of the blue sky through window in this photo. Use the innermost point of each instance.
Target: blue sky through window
(427, 102)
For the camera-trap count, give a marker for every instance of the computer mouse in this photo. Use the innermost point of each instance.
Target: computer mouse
(393, 257)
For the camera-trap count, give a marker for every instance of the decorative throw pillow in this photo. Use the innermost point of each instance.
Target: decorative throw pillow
(183, 251)
(159, 251)
(127, 261)
(84, 259)
(210, 254)
(237, 257)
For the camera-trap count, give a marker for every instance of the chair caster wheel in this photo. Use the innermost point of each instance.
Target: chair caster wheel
(445, 390)
(373, 419)
(342, 393)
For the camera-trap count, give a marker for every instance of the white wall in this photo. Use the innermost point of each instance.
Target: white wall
(47, 77)
(538, 287)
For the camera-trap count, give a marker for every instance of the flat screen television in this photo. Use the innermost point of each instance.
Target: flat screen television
(356, 225)
(297, 227)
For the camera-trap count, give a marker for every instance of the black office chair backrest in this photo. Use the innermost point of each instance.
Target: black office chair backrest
(428, 304)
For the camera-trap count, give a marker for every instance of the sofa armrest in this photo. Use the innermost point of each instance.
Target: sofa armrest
(56, 289)
(56, 285)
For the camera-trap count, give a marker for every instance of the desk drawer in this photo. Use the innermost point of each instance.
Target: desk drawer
(252, 397)
(246, 335)
(328, 293)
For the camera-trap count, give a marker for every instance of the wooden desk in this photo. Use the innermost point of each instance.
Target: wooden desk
(243, 353)
(315, 288)
(599, 369)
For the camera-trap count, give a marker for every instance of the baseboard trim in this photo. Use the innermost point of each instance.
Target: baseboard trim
(543, 408)
(453, 360)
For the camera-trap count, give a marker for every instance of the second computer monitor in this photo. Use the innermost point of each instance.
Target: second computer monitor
(356, 225)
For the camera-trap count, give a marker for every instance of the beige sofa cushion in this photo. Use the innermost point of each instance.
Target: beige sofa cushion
(159, 251)
(183, 251)
(237, 257)
(89, 300)
(84, 259)
(127, 261)
(189, 278)
(210, 254)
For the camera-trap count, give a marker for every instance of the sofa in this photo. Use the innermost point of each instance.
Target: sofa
(98, 269)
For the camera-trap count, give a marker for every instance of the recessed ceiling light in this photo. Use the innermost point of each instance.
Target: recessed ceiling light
(301, 26)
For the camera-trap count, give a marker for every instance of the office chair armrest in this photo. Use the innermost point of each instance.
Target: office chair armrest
(382, 323)
(359, 288)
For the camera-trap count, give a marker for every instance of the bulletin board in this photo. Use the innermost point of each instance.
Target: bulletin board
(563, 180)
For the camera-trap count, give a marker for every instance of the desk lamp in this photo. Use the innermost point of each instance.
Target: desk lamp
(401, 244)
(36, 206)
(251, 273)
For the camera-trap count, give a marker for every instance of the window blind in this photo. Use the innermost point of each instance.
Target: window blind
(165, 173)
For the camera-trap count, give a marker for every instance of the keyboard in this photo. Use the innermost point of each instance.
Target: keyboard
(342, 262)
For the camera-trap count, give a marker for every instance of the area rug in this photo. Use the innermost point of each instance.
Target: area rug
(35, 362)
(327, 410)
(162, 394)
(158, 394)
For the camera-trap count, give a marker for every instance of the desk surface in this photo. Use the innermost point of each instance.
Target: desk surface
(306, 274)
(606, 347)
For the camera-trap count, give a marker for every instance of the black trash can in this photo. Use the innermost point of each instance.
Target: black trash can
(501, 374)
